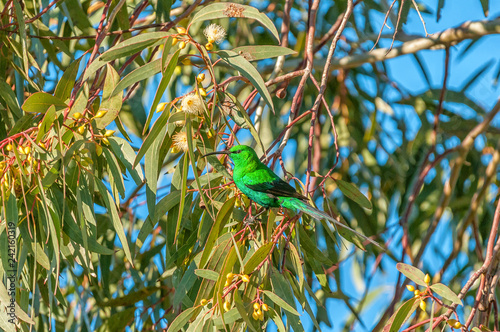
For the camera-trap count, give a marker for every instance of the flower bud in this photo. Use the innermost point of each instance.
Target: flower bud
(174, 41)
(181, 30)
(77, 116)
(8, 147)
(81, 129)
(416, 292)
(427, 278)
(105, 140)
(229, 276)
(227, 306)
(265, 307)
(255, 316)
(410, 288)
(200, 77)
(109, 133)
(209, 46)
(203, 302)
(186, 62)
(245, 278)
(203, 92)
(182, 45)
(100, 114)
(27, 149)
(457, 325)
(422, 305)
(256, 306)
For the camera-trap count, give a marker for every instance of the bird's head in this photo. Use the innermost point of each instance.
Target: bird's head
(241, 155)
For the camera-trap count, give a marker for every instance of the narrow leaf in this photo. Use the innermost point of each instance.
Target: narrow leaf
(412, 273)
(353, 193)
(248, 70)
(260, 52)
(258, 257)
(446, 293)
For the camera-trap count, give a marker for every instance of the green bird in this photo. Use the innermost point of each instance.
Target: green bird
(263, 186)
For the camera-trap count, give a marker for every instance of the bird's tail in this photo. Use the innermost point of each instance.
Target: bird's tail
(296, 204)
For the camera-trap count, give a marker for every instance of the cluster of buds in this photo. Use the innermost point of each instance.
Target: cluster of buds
(230, 276)
(419, 294)
(258, 310)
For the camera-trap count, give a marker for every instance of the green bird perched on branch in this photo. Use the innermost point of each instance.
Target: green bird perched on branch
(263, 186)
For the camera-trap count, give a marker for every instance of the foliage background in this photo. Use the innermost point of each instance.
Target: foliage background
(98, 250)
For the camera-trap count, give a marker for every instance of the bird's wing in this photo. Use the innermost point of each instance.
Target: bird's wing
(274, 186)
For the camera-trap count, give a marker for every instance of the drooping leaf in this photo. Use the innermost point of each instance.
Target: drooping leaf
(401, 315)
(412, 273)
(67, 81)
(260, 52)
(112, 104)
(446, 293)
(353, 193)
(39, 102)
(228, 9)
(148, 70)
(258, 257)
(248, 70)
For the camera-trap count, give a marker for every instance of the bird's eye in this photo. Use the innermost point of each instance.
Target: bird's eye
(238, 151)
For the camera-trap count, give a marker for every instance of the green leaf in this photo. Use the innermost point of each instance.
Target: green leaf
(207, 274)
(353, 193)
(115, 171)
(248, 70)
(297, 263)
(125, 48)
(163, 206)
(133, 45)
(258, 257)
(148, 70)
(276, 319)
(311, 248)
(241, 309)
(158, 126)
(112, 104)
(39, 102)
(125, 153)
(260, 52)
(47, 122)
(185, 285)
(401, 315)
(181, 320)
(9, 97)
(280, 302)
(222, 217)
(171, 62)
(412, 273)
(115, 218)
(228, 9)
(485, 4)
(229, 317)
(446, 293)
(67, 81)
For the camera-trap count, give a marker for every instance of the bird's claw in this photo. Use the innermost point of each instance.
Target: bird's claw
(251, 220)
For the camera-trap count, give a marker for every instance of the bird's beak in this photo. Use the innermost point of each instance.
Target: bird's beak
(216, 152)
